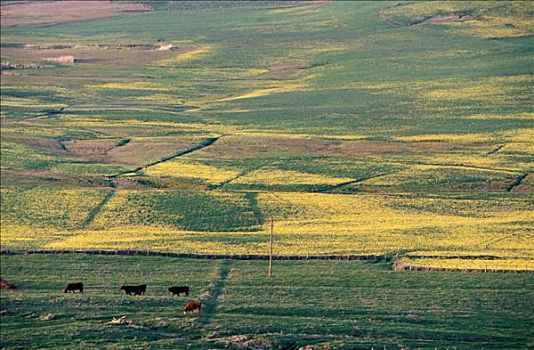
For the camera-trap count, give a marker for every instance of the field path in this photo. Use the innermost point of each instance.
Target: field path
(209, 305)
(517, 182)
(98, 208)
(252, 198)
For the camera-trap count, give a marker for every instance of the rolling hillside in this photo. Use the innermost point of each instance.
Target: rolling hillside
(360, 128)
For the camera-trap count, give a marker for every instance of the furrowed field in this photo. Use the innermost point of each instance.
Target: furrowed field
(327, 304)
(358, 128)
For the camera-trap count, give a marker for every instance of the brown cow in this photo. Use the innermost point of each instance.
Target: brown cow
(191, 306)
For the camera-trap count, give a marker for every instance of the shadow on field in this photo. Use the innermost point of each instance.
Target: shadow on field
(210, 304)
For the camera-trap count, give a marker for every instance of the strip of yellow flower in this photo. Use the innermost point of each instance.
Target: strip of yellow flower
(169, 99)
(20, 236)
(194, 54)
(497, 161)
(288, 177)
(498, 26)
(480, 264)
(372, 224)
(278, 134)
(466, 138)
(48, 207)
(490, 89)
(139, 85)
(11, 101)
(304, 8)
(164, 239)
(525, 135)
(522, 116)
(472, 253)
(183, 169)
(264, 92)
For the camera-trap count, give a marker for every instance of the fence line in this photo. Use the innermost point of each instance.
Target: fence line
(196, 256)
(397, 265)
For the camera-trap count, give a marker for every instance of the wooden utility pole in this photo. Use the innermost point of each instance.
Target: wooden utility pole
(271, 249)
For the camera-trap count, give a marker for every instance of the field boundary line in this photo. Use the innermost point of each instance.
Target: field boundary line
(397, 266)
(193, 255)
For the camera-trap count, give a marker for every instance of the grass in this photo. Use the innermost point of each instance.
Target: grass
(306, 303)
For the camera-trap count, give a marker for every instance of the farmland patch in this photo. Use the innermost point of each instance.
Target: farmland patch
(53, 12)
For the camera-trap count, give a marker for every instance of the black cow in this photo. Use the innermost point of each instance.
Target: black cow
(178, 290)
(135, 290)
(72, 287)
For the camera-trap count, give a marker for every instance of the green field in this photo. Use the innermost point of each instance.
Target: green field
(327, 304)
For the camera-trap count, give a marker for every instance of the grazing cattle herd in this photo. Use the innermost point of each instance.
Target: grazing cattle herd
(140, 289)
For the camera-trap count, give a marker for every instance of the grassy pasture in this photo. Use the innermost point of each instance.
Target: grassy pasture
(306, 303)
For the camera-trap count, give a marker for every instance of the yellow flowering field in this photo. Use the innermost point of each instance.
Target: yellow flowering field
(43, 207)
(183, 169)
(479, 264)
(275, 177)
(134, 85)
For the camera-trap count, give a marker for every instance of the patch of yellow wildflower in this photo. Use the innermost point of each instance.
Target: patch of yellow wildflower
(497, 26)
(472, 253)
(491, 19)
(464, 138)
(165, 239)
(48, 207)
(20, 236)
(264, 92)
(519, 116)
(11, 101)
(183, 169)
(525, 135)
(370, 224)
(278, 134)
(139, 85)
(496, 162)
(479, 264)
(304, 8)
(170, 99)
(493, 89)
(193, 54)
(287, 177)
